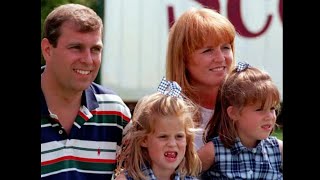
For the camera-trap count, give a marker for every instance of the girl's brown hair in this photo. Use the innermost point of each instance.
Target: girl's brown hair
(248, 86)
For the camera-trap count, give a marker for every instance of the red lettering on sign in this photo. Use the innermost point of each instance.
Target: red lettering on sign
(234, 15)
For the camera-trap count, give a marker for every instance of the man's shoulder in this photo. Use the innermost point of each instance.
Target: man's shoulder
(99, 89)
(103, 93)
(106, 95)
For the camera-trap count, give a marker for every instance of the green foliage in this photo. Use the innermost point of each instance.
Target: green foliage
(278, 133)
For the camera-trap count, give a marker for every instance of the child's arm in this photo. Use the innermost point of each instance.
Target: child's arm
(121, 176)
(206, 155)
(280, 142)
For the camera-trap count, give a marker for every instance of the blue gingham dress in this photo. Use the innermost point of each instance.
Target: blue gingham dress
(147, 171)
(262, 162)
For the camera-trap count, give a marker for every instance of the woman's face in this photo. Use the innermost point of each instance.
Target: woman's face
(209, 65)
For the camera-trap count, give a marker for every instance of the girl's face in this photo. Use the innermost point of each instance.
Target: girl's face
(209, 65)
(254, 123)
(167, 145)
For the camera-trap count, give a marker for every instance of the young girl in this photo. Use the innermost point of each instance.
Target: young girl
(159, 143)
(244, 148)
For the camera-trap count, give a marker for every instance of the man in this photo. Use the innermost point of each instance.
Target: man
(81, 122)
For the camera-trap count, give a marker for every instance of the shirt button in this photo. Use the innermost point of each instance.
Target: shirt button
(254, 150)
(250, 172)
(60, 131)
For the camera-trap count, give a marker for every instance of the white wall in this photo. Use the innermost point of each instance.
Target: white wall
(136, 34)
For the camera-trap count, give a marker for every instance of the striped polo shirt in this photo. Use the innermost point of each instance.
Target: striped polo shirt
(89, 151)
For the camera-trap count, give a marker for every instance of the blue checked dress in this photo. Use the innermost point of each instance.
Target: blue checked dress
(147, 171)
(239, 162)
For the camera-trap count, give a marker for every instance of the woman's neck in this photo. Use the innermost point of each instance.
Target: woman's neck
(207, 98)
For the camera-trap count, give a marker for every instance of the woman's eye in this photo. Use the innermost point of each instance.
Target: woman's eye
(207, 50)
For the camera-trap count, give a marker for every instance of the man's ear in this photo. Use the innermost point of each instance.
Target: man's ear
(233, 112)
(46, 48)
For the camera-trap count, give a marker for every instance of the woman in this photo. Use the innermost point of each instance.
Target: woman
(200, 54)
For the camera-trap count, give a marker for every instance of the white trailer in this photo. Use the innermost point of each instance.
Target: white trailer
(136, 33)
